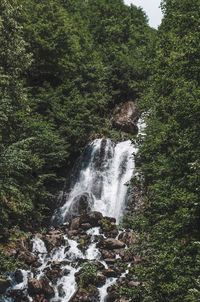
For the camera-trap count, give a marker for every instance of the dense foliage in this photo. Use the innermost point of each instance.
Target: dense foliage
(169, 164)
(63, 67)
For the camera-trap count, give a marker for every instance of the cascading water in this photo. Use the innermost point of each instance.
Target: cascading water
(100, 183)
(103, 174)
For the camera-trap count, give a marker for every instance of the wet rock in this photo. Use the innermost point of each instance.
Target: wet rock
(65, 272)
(99, 266)
(53, 274)
(18, 275)
(18, 295)
(74, 226)
(111, 244)
(111, 234)
(41, 286)
(41, 298)
(4, 285)
(100, 280)
(111, 297)
(53, 239)
(111, 219)
(86, 295)
(72, 233)
(85, 226)
(93, 218)
(108, 254)
(27, 257)
(81, 204)
(125, 117)
(61, 291)
(110, 273)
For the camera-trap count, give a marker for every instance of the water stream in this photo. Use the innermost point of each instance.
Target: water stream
(100, 183)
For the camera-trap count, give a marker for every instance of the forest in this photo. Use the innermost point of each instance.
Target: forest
(64, 66)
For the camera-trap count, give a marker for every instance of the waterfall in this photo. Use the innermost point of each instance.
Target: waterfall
(99, 183)
(101, 180)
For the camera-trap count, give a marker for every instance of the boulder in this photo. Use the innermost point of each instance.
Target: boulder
(53, 239)
(4, 285)
(40, 298)
(111, 244)
(72, 233)
(125, 117)
(53, 274)
(134, 283)
(129, 238)
(110, 273)
(99, 266)
(75, 223)
(27, 257)
(86, 295)
(85, 226)
(40, 286)
(107, 254)
(18, 295)
(61, 291)
(100, 280)
(81, 204)
(93, 218)
(18, 276)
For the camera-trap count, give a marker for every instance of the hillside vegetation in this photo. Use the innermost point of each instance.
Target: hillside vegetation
(169, 164)
(64, 65)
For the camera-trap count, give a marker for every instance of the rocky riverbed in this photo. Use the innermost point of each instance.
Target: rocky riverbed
(83, 260)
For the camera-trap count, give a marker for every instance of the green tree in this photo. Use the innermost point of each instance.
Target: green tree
(169, 159)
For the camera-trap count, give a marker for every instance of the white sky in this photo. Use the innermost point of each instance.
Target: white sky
(151, 7)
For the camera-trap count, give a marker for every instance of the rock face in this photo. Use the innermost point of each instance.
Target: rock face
(126, 117)
(4, 285)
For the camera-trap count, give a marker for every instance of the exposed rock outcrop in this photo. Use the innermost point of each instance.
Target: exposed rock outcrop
(125, 117)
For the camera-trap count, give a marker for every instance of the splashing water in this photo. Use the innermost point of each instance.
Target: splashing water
(103, 174)
(100, 183)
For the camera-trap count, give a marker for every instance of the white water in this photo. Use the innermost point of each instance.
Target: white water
(103, 174)
(103, 289)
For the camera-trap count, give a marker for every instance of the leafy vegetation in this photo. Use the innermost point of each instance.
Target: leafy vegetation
(168, 163)
(88, 274)
(63, 67)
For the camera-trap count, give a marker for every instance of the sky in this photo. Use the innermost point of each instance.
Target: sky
(151, 7)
